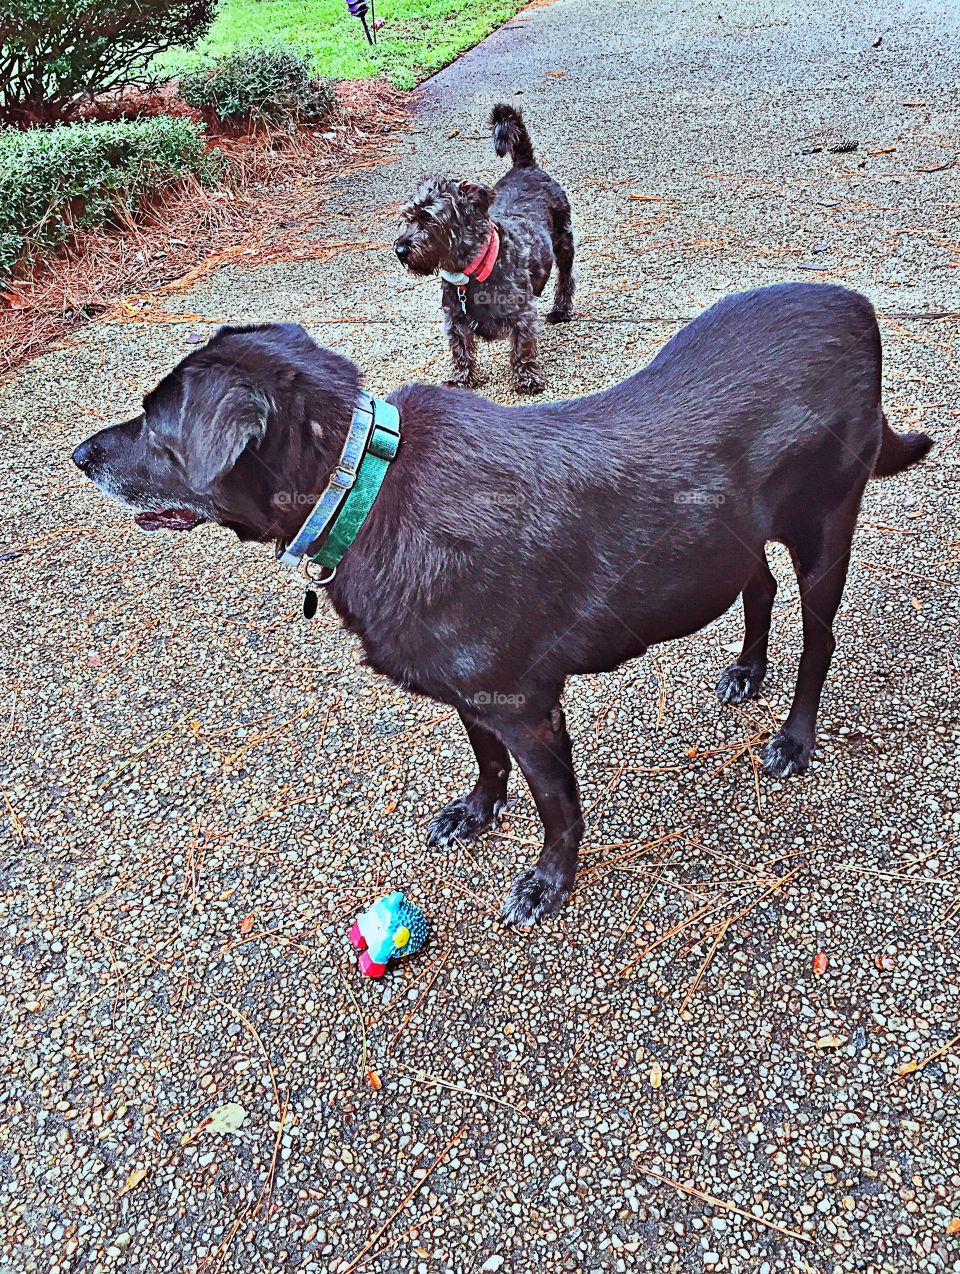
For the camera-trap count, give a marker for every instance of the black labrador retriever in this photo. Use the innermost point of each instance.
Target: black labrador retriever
(510, 547)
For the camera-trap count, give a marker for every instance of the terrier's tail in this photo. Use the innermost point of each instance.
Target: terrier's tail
(510, 136)
(899, 451)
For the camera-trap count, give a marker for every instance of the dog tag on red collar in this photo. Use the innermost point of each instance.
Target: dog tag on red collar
(310, 602)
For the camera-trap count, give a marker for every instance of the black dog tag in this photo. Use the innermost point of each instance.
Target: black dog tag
(310, 603)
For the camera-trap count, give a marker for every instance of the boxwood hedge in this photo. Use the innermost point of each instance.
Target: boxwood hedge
(54, 180)
(264, 82)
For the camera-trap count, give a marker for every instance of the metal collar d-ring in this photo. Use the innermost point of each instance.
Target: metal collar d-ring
(320, 580)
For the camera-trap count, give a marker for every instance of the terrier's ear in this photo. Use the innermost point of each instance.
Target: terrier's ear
(477, 194)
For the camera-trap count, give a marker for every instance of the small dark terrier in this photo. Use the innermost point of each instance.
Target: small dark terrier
(494, 250)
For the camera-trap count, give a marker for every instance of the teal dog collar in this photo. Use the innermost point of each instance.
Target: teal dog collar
(372, 442)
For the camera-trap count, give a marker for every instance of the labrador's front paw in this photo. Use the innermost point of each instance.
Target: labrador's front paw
(785, 755)
(739, 682)
(534, 895)
(466, 818)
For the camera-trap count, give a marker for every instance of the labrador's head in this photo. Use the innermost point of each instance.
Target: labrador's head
(240, 433)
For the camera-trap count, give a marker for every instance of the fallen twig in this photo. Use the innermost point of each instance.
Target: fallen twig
(606, 791)
(643, 901)
(729, 1207)
(462, 1088)
(943, 882)
(375, 1256)
(671, 932)
(269, 734)
(909, 1068)
(123, 973)
(403, 1202)
(245, 1021)
(363, 1028)
(438, 965)
(134, 757)
(576, 1051)
(721, 932)
(755, 767)
(625, 844)
(15, 822)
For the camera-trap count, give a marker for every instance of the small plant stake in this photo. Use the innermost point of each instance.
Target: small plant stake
(359, 9)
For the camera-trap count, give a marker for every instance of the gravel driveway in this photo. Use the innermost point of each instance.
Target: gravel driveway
(199, 790)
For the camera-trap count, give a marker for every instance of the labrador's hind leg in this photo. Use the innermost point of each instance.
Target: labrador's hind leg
(821, 555)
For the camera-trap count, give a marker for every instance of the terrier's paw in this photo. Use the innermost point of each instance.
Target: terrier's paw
(738, 682)
(463, 382)
(533, 896)
(785, 755)
(529, 380)
(559, 316)
(463, 819)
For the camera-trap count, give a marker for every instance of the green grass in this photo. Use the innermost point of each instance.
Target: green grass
(420, 36)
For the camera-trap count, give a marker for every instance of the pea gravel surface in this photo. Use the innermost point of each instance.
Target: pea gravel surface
(736, 1049)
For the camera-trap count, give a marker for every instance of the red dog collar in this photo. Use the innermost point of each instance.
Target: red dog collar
(481, 267)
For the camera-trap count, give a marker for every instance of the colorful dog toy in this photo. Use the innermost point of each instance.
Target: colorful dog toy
(391, 927)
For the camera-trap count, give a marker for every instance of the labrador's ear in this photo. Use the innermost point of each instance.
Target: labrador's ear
(477, 194)
(218, 424)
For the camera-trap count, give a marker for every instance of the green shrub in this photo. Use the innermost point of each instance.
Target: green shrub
(54, 180)
(271, 82)
(53, 52)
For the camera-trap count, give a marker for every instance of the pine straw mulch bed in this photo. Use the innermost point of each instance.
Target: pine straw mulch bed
(268, 211)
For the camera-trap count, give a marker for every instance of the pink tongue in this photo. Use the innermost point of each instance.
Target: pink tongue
(167, 520)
